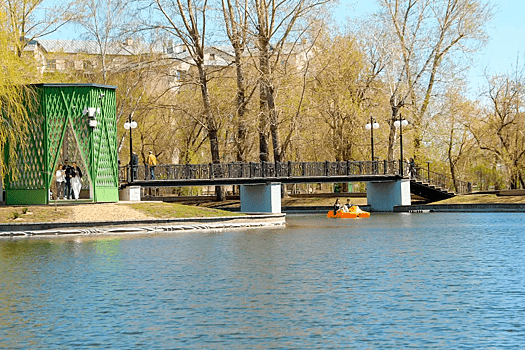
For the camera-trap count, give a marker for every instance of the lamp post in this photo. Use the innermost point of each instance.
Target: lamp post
(399, 124)
(371, 126)
(130, 125)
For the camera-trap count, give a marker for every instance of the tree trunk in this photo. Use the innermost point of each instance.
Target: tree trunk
(263, 100)
(392, 133)
(211, 125)
(274, 126)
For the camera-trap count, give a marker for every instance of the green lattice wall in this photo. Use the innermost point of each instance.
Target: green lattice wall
(61, 116)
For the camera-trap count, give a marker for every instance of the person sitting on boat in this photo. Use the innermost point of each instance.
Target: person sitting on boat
(348, 205)
(337, 206)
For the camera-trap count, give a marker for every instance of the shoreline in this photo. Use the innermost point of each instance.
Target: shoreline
(463, 208)
(143, 226)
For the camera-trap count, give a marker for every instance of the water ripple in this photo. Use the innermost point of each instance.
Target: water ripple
(393, 281)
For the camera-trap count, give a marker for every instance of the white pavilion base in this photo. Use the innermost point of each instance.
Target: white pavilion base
(130, 193)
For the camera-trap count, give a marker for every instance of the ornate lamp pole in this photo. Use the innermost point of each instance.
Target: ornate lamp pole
(428, 169)
(130, 125)
(400, 124)
(371, 126)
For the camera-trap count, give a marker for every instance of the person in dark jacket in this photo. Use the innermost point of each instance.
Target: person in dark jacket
(67, 173)
(337, 206)
(135, 165)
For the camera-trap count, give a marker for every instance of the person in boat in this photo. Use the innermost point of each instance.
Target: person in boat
(337, 206)
(348, 205)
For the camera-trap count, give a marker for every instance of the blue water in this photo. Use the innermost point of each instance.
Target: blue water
(438, 280)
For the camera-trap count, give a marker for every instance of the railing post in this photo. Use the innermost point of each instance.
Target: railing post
(289, 168)
(263, 172)
(326, 166)
(211, 170)
(385, 164)
(303, 167)
(250, 170)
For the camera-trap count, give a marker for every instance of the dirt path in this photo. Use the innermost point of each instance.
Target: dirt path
(105, 212)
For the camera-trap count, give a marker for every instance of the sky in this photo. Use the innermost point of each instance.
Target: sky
(506, 32)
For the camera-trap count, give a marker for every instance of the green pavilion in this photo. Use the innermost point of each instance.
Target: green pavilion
(76, 122)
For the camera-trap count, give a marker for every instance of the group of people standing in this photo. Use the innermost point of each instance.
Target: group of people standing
(68, 181)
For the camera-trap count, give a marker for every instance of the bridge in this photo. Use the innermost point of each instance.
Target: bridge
(386, 179)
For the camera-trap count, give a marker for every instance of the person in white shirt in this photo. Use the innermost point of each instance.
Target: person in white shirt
(60, 178)
(76, 181)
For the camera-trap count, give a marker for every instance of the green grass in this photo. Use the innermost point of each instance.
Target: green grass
(175, 210)
(33, 214)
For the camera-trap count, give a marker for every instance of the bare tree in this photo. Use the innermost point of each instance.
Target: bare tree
(236, 21)
(187, 21)
(103, 22)
(425, 35)
(275, 24)
(32, 19)
(500, 132)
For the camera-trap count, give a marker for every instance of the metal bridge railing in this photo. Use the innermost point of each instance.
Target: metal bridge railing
(293, 170)
(262, 170)
(439, 180)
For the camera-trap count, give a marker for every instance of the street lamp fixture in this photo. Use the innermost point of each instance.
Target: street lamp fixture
(400, 124)
(371, 126)
(92, 113)
(130, 125)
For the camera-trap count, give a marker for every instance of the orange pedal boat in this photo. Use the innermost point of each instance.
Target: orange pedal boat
(353, 213)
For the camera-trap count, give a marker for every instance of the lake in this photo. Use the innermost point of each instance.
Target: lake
(435, 280)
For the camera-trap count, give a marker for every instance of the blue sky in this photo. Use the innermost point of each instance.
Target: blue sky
(506, 31)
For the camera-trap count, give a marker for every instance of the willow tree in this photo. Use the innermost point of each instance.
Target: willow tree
(15, 99)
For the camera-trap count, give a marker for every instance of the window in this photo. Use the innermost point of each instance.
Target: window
(51, 64)
(87, 64)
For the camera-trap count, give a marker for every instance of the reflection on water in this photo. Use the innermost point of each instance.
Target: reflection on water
(391, 281)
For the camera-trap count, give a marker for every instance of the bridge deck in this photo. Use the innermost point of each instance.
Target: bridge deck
(261, 180)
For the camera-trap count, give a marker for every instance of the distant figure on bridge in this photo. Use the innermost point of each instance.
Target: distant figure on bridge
(412, 168)
(135, 165)
(152, 162)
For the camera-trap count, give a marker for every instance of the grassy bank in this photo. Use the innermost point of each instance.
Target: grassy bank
(104, 212)
(161, 210)
(483, 199)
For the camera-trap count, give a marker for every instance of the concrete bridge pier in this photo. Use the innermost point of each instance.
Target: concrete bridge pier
(261, 198)
(383, 196)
